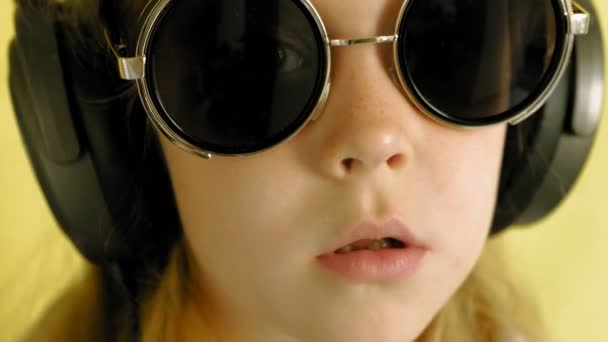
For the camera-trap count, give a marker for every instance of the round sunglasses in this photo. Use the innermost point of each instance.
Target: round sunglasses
(237, 77)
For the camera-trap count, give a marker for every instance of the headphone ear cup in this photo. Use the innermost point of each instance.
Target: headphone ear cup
(54, 140)
(529, 150)
(88, 141)
(545, 154)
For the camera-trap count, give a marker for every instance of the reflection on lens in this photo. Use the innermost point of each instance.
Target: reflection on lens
(236, 76)
(476, 61)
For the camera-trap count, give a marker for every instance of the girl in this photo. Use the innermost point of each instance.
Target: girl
(267, 205)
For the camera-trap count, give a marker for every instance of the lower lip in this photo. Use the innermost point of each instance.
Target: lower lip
(385, 265)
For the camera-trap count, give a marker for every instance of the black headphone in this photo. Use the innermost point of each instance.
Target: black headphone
(79, 123)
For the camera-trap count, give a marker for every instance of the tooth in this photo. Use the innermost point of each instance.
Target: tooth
(345, 249)
(378, 244)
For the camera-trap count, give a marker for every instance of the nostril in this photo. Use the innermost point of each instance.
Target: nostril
(348, 163)
(395, 161)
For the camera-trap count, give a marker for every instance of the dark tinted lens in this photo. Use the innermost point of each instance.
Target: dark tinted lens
(479, 61)
(236, 76)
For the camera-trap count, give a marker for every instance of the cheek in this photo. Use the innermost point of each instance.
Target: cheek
(457, 180)
(236, 213)
(465, 174)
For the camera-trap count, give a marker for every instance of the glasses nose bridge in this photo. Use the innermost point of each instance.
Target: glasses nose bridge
(367, 40)
(385, 39)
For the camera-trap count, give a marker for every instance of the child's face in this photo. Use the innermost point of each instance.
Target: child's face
(256, 225)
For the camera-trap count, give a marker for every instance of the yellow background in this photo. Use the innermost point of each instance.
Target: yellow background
(564, 259)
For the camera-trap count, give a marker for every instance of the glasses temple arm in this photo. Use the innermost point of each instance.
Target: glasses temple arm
(129, 68)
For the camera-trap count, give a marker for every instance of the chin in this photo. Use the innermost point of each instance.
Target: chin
(367, 334)
(372, 325)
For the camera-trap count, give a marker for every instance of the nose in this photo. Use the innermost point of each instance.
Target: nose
(367, 123)
(364, 149)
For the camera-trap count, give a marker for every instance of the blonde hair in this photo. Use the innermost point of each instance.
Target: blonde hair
(487, 307)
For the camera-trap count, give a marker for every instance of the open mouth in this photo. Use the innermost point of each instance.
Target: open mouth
(372, 245)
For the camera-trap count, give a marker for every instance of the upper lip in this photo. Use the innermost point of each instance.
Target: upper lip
(391, 228)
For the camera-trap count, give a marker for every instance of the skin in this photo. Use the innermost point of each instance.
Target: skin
(254, 225)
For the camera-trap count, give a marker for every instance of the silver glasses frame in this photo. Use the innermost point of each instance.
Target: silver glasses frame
(134, 67)
(577, 21)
